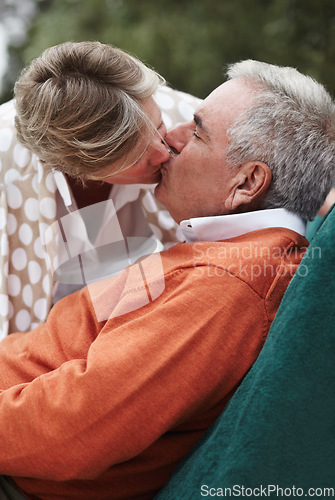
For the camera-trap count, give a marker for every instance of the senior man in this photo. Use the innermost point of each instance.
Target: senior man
(105, 399)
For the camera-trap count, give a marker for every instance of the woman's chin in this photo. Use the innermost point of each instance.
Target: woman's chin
(152, 179)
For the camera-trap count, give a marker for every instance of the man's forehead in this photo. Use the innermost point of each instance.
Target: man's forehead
(211, 106)
(209, 112)
(225, 102)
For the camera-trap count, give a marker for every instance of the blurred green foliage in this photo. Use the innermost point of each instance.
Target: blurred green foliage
(190, 41)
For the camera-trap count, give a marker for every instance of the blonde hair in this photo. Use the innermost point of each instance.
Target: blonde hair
(79, 108)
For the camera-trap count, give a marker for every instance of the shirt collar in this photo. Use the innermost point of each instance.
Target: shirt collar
(63, 187)
(222, 227)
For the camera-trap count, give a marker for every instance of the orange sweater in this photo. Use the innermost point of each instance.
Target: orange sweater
(106, 410)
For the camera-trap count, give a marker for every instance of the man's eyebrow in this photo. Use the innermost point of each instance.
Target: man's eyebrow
(198, 121)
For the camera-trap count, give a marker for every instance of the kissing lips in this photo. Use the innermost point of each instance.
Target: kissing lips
(165, 166)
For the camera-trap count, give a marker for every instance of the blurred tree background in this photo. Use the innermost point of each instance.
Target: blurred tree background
(188, 41)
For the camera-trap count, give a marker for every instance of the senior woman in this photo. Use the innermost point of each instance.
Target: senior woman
(79, 183)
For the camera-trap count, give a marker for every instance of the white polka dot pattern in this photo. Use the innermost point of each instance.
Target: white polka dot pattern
(11, 175)
(25, 234)
(31, 209)
(27, 295)
(40, 309)
(11, 224)
(19, 259)
(22, 320)
(186, 110)
(48, 208)
(21, 195)
(176, 107)
(167, 120)
(34, 271)
(14, 196)
(50, 183)
(14, 285)
(6, 137)
(163, 100)
(21, 156)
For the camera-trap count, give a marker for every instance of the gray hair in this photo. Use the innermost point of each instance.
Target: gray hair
(290, 126)
(79, 108)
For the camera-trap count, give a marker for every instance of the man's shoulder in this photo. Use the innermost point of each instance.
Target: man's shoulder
(258, 265)
(257, 258)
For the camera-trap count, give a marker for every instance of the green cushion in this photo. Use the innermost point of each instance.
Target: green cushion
(313, 226)
(279, 427)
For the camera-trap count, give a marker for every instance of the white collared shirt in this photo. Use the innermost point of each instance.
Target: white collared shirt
(223, 227)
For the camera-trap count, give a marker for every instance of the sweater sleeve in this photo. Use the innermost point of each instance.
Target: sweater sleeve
(144, 374)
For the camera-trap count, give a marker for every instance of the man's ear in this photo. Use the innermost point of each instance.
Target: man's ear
(250, 185)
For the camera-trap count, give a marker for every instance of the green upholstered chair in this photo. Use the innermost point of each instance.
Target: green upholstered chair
(279, 427)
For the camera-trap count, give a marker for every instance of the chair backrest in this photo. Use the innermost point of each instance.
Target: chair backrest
(278, 430)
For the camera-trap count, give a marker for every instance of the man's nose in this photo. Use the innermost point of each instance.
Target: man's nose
(178, 137)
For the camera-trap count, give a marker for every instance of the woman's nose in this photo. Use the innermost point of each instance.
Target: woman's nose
(161, 153)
